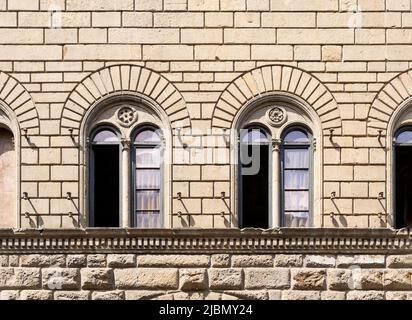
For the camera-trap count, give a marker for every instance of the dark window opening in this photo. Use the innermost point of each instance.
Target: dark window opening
(105, 181)
(254, 200)
(403, 194)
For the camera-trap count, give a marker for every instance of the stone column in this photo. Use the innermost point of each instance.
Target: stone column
(125, 178)
(276, 183)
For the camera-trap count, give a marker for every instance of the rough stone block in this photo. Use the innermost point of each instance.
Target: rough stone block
(225, 279)
(275, 278)
(193, 279)
(308, 279)
(97, 279)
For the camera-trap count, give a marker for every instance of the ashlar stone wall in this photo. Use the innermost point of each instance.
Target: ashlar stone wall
(204, 276)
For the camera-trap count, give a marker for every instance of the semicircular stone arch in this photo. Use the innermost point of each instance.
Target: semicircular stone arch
(277, 79)
(387, 100)
(15, 96)
(124, 79)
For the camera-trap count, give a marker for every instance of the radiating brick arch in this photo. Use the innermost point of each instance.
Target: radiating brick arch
(17, 98)
(276, 79)
(127, 79)
(389, 98)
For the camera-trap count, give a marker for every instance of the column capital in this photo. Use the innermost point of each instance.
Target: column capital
(276, 144)
(126, 144)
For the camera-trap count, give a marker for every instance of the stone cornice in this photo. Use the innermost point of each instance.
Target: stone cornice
(205, 241)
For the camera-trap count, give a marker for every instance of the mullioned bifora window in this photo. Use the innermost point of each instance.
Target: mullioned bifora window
(257, 186)
(403, 178)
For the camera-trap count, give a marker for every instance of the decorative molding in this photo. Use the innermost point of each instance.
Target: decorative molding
(15, 96)
(127, 116)
(276, 79)
(277, 116)
(394, 94)
(124, 79)
(184, 241)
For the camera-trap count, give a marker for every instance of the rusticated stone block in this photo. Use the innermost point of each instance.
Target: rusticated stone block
(275, 278)
(288, 260)
(146, 278)
(220, 261)
(397, 280)
(332, 295)
(108, 295)
(366, 261)
(365, 295)
(307, 279)
(399, 261)
(97, 278)
(252, 261)
(36, 295)
(396, 295)
(300, 295)
(96, 260)
(318, 261)
(37, 260)
(193, 279)
(76, 260)
(370, 280)
(142, 294)
(61, 279)
(173, 261)
(13, 261)
(339, 279)
(225, 279)
(4, 261)
(249, 294)
(9, 295)
(121, 260)
(19, 278)
(71, 295)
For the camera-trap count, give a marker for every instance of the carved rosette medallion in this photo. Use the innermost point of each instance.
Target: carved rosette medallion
(277, 116)
(126, 116)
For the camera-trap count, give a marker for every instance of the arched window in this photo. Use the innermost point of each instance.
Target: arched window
(8, 183)
(105, 178)
(147, 178)
(296, 173)
(403, 178)
(254, 178)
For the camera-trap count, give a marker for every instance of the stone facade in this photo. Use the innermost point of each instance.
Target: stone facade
(199, 66)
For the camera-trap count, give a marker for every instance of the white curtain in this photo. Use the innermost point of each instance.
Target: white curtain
(296, 184)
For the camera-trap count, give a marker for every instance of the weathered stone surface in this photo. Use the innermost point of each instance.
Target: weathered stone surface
(365, 295)
(366, 261)
(9, 295)
(308, 279)
(370, 280)
(97, 278)
(76, 260)
(36, 295)
(173, 261)
(121, 260)
(193, 279)
(142, 294)
(339, 279)
(290, 260)
(397, 280)
(147, 278)
(19, 278)
(4, 261)
(396, 295)
(71, 295)
(275, 278)
(399, 261)
(108, 295)
(37, 260)
(249, 294)
(61, 279)
(300, 295)
(225, 279)
(220, 261)
(275, 294)
(96, 260)
(332, 295)
(252, 261)
(318, 261)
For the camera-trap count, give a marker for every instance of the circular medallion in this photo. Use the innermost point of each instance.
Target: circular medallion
(126, 116)
(277, 116)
